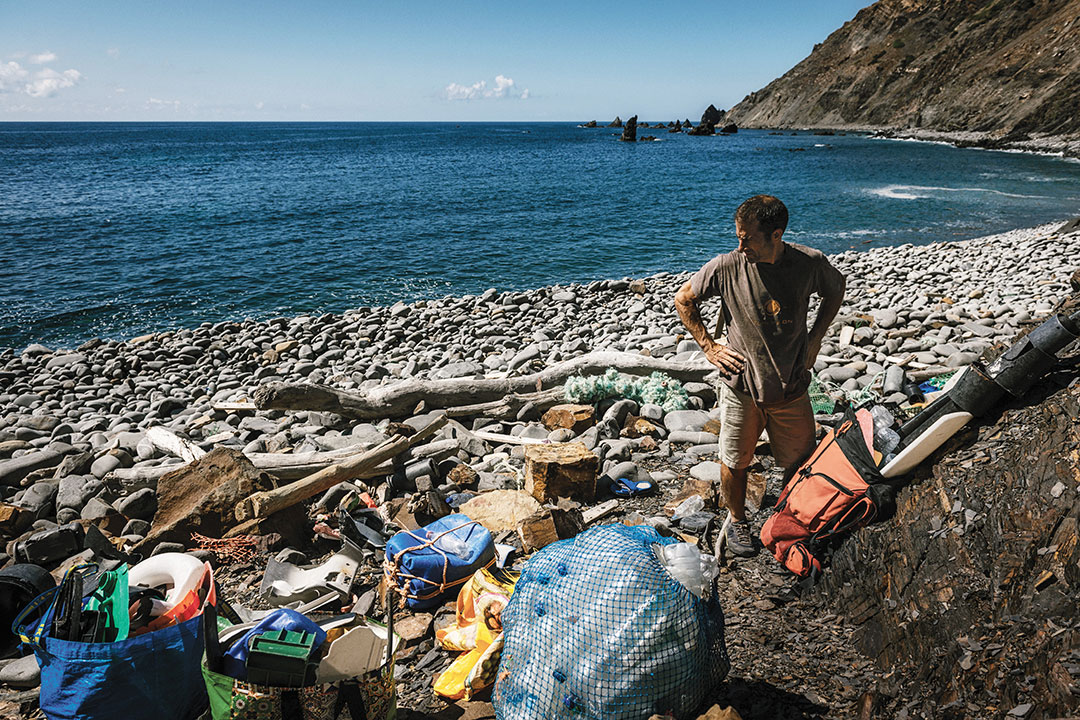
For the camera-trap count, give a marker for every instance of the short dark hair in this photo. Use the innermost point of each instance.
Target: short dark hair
(769, 213)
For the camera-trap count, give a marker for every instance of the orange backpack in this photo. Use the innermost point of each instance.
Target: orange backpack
(835, 490)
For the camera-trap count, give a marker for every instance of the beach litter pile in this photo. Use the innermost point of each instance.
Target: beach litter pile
(386, 459)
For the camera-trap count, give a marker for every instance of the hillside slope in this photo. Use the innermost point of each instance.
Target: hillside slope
(1006, 69)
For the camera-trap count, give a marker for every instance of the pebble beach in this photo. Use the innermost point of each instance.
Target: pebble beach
(76, 448)
(930, 309)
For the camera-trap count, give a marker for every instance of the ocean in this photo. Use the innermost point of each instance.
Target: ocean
(118, 229)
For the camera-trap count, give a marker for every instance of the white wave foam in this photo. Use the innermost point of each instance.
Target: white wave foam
(917, 192)
(916, 140)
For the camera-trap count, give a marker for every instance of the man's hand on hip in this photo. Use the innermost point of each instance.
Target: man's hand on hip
(725, 358)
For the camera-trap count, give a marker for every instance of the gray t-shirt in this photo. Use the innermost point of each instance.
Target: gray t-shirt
(765, 310)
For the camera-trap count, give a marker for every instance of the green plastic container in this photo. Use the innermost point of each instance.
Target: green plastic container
(282, 658)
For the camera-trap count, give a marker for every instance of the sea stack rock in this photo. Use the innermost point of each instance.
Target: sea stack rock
(709, 120)
(676, 128)
(590, 124)
(617, 122)
(629, 133)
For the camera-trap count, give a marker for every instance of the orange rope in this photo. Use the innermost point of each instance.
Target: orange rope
(240, 549)
(393, 571)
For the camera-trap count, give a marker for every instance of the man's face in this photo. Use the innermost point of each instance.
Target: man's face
(753, 244)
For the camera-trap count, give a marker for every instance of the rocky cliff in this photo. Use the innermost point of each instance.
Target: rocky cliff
(1006, 69)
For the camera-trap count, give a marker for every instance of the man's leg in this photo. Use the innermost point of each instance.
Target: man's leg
(733, 487)
(741, 423)
(791, 431)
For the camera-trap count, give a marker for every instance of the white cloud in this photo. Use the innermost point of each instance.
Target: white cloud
(42, 58)
(305, 106)
(259, 105)
(120, 90)
(46, 82)
(113, 52)
(465, 92)
(504, 88)
(503, 85)
(14, 78)
(158, 104)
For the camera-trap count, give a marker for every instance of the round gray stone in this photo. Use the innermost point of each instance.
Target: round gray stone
(22, 673)
(686, 420)
(141, 504)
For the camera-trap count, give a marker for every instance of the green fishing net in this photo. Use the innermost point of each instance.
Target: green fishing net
(822, 393)
(940, 380)
(819, 398)
(656, 389)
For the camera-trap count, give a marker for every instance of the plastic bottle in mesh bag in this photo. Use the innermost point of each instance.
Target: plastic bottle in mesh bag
(599, 628)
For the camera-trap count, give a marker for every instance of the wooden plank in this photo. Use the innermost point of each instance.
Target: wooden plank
(242, 406)
(595, 513)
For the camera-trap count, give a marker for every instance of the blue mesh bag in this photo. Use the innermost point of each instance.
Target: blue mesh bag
(598, 628)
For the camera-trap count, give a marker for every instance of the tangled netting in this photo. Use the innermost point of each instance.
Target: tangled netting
(656, 389)
(597, 628)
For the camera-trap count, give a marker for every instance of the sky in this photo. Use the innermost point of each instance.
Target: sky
(333, 60)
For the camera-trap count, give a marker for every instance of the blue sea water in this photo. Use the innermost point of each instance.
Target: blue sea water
(115, 229)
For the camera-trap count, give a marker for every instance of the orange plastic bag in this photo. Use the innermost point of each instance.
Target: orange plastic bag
(477, 632)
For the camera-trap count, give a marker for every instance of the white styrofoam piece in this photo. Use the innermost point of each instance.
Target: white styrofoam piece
(358, 651)
(927, 442)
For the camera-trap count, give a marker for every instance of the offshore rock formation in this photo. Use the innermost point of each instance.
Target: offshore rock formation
(629, 133)
(709, 120)
(1005, 69)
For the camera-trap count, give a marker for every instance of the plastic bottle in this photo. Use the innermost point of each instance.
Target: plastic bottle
(885, 438)
(452, 544)
(694, 569)
(689, 506)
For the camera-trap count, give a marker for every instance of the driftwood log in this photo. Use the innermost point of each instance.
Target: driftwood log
(468, 395)
(280, 466)
(264, 504)
(165, 439)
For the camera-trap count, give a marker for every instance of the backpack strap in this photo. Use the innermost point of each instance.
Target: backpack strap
(849, 438)
(861, 512)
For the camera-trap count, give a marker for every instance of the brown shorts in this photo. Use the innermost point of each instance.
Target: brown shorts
(790, 427)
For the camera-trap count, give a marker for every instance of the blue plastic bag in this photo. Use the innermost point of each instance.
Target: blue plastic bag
(430, 564)
(153, 676)
(235, 661)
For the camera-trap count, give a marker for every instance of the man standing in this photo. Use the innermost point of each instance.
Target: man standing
(765, 287)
